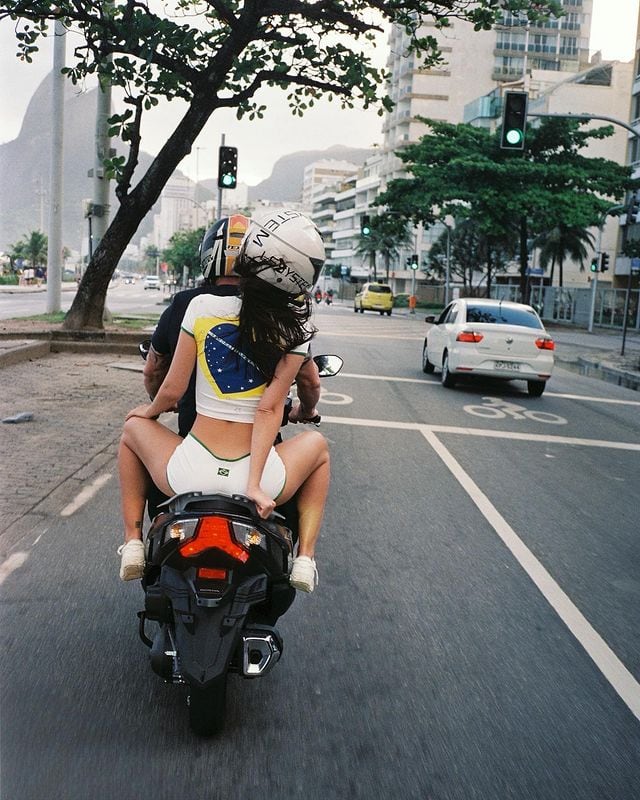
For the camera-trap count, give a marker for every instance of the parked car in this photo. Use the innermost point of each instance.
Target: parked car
(151, 282)
(374, 297)
(494, 338)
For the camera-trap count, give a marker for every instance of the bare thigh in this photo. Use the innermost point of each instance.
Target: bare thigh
(154, 444)
(301, 455)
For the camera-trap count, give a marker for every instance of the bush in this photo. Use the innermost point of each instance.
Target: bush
(8, 280)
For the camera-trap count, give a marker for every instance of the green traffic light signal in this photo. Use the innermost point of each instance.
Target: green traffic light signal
(594, 265)
(365, 226)
(227, 167)
(514, 120)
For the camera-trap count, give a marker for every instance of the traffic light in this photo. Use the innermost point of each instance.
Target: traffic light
(365, 225)
(414, 261)
(594, 264)
(634, 209)
(514, 120)
(604, 262)
(227, 167)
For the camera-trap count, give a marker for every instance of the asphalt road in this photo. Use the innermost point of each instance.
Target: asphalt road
(474, 633)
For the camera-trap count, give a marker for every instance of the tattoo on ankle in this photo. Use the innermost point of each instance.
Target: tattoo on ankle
(137, 524)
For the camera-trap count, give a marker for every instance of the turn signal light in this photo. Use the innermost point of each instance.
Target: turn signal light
(214, 532)
(545, 344)
(469, 336)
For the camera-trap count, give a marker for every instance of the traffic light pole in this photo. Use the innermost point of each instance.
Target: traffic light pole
(594, 280)
(586, 117)
(219, 210)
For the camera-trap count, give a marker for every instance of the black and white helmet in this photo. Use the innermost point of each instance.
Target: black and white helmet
(221, 245)
(287, 249)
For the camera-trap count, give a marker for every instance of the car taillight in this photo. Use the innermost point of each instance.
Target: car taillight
(544, 343)
(214, 532)
(469, 336)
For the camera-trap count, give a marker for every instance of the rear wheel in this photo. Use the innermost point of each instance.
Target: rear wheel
(207, 707)
(446, 378)
(536, 388)
(361, 310)
(427, 366)
(355, 309)
(389, 313)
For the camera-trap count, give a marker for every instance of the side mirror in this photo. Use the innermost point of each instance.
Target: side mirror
(430, 318)
(144, 347)
(328, 365)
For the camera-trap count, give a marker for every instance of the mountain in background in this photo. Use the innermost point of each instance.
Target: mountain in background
(25, 174)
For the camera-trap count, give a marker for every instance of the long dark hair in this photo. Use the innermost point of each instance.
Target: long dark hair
(271, 321)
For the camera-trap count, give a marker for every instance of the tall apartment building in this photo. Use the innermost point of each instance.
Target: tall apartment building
(326, 172)
(475, 62)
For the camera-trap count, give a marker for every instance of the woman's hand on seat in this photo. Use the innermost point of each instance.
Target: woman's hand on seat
(264, 503)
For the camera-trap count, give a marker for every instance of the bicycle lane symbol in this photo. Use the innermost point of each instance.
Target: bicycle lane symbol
(495, 408)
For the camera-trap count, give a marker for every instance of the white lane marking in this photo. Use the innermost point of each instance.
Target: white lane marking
(526, 437)
(432, 382)
(589, 399)
(602, 655)
(389, 378)
(14, 562)
(85, 495)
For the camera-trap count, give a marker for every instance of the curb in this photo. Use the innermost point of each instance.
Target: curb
(18, 347)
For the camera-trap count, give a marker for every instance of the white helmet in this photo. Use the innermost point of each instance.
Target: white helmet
(289, 246)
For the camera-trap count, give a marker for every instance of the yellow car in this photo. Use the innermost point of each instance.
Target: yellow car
(374, 297)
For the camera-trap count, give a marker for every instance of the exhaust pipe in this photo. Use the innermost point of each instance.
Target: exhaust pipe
(261, 650)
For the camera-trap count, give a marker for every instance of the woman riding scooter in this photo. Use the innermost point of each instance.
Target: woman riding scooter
(248, 352)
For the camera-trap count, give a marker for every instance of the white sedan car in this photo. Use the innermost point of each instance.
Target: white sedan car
(493, 338)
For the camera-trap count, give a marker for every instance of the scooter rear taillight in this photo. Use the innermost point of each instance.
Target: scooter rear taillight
(213, 533)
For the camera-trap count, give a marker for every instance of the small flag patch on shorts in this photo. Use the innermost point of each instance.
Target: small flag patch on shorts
(224, 472)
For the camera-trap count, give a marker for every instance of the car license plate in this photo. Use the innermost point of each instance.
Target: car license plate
(507, 365)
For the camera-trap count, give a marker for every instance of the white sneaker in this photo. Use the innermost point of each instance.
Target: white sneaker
(132, 564)
(304, 574)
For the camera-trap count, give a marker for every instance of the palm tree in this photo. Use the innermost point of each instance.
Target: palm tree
(389, 235)
(562, 242)
(33, 248)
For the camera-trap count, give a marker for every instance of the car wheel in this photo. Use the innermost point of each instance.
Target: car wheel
(361, 310)
(446, 378)
(382, 313)
(355, 309)
(427, 366)
(536, 388)
(389, 313)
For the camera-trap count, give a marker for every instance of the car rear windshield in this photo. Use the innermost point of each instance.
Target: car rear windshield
(380, 289)
(503, 315)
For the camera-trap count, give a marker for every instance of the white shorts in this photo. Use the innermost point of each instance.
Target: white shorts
(194, 468)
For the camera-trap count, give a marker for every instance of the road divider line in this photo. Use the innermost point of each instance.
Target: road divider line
(85, 495)
(14, 562)
(599, 651)
(525, 437)
(431, 382)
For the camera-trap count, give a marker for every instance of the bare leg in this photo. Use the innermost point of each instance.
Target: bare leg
(145, 449)
(306, 459)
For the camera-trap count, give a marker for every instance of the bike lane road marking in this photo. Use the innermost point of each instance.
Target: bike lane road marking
(611, 667)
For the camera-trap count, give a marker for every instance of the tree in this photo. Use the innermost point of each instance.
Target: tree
(32, 248)
(560, 242)
(389, 235)
(471, 252)
(184, 251)
(461, 170)
(219, 55)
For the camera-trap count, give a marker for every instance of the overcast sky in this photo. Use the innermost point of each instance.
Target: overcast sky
(262, 142)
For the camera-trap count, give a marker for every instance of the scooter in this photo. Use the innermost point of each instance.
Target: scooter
(215, 584)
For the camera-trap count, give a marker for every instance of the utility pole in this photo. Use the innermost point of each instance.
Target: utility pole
(219, 214)
(54, 249)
